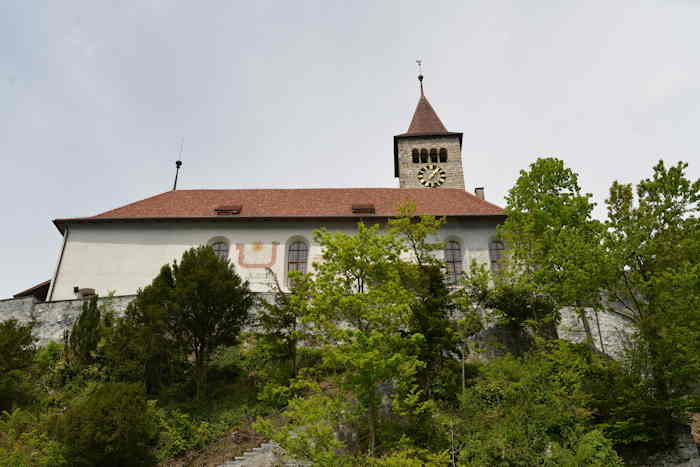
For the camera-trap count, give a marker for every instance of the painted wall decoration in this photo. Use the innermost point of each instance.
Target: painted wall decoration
(257, 255)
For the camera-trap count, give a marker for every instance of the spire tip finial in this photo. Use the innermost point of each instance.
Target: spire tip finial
(420, 74)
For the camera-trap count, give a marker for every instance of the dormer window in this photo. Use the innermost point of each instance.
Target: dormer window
(228, 210)
(415, 155)
(363, 209)
(433, 155)
(443, 155)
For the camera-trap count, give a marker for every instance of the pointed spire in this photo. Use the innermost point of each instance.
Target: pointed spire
(425, 121)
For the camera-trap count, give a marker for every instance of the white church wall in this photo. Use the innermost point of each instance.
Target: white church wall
(124, 257)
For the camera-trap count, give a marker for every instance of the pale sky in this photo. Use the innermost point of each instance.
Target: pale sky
(96, 96)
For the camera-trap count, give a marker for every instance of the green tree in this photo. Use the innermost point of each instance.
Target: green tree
(432, 307)
(652, 241)
(206, 305)
(140, 347)
(281, 323)
(17, 349)
(113, 426)
(548, 232)
(359, 306)
(534, 410)
(85, 335)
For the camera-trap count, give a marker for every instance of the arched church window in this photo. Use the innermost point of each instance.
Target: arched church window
(424, 155)
(416, 156)
(220, 250)
(433, 155)
(496, 248)
(453, 261)
(443, 155)
(297, 256)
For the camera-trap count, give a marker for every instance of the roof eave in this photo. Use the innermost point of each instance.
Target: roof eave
(61, 223)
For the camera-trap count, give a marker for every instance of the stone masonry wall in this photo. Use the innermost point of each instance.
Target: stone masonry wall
(53, 318)
(408, 170)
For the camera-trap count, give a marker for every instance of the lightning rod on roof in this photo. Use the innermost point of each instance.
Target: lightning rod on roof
(178, 164)
(420, 74)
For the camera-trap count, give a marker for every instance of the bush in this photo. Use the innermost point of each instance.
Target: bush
(24, 443)
(16, 355)
(113, 426)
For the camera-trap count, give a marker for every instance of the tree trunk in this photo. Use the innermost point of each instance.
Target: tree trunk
(372, 426)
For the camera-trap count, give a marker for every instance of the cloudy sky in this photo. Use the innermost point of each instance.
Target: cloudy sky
(96, 97)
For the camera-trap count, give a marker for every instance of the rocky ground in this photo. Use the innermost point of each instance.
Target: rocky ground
(234, 443)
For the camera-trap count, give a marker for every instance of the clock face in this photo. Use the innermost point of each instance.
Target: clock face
(431, 176)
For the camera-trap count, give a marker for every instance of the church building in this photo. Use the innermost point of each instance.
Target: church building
(271, 230)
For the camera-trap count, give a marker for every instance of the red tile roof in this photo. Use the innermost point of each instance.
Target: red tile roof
(425, 121)
(296, 203)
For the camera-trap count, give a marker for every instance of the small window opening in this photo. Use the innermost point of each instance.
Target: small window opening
(416, 156)
(443, 155)
(433, 155)
(424, 155)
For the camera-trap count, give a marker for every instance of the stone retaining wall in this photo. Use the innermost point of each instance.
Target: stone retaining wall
(53, 318)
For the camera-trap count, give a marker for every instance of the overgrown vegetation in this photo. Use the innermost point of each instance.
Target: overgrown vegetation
(374, 359)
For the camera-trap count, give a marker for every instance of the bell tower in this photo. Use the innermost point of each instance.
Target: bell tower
(427, 155)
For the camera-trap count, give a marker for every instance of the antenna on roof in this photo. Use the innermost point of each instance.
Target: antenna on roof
(420, 74)
(178, 164)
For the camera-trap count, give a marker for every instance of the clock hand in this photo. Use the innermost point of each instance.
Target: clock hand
(434, 172)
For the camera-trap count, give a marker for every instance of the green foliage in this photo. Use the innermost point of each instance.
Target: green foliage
(16, 355)
(190, 308)
(113, 426)
(282, 328)
(207, 305)
(25, 443)
(84, 336)
(360, 283)
(653, 246)
(178, 433)
(309, 431)
(517, 410)
(139, 347)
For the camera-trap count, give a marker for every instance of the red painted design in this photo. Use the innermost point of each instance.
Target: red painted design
(242, 262)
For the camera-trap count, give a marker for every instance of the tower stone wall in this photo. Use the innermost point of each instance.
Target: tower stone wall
(408, 170)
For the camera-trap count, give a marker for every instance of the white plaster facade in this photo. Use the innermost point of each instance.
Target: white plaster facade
(123, 257)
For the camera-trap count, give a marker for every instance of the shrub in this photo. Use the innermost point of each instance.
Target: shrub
(16, 355)
(24, 443)
(112, 426)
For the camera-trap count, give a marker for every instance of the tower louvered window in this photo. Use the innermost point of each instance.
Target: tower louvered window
(424, 155)
(297, 256)
(433, 155)
(415, 155)
(443, 155)
(453, 261)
